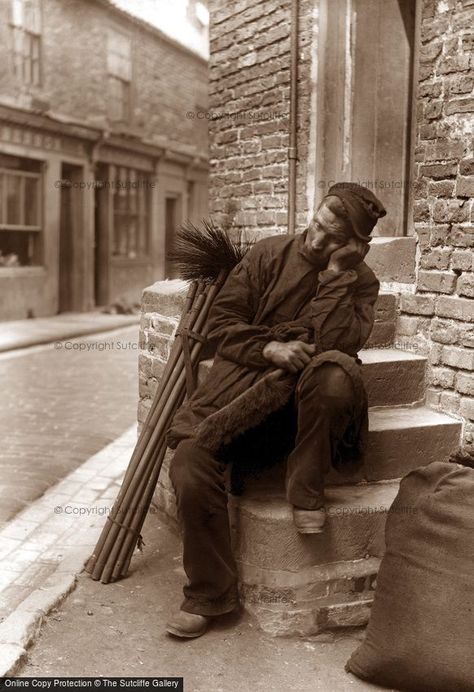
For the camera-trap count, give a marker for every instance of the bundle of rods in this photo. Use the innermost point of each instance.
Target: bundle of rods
(204, 257)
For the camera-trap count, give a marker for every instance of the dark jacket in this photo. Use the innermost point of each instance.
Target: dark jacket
(277, 293)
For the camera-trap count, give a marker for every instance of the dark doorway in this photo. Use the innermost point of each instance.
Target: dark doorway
(172, 215)
(102, 214)
(70, 239)
(367, 83)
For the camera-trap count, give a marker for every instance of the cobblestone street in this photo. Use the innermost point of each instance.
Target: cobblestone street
(62, 403)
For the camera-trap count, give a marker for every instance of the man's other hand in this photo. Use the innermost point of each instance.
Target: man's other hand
(348, 256)
(290, 355)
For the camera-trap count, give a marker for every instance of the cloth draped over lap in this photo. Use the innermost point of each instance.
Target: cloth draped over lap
(421, 631)
(276, 293)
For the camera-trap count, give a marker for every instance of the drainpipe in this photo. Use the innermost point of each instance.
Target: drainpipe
(292, 152)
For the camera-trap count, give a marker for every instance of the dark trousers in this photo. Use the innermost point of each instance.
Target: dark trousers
(322, 409)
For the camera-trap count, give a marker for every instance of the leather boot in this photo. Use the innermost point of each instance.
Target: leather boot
(309, 520)
(189, 625)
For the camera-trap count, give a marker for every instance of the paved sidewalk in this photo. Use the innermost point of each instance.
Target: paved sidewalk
(85, 628)
(61, 404)
(44, 330)
(45, 546)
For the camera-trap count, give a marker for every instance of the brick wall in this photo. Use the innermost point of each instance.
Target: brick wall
(74, 41)
(250, 82)
(438, 319)
(249, 76)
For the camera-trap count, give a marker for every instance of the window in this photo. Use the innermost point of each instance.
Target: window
(131, 204)
(26, 28)
(119, 68)
(20, 212)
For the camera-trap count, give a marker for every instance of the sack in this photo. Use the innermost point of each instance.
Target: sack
(421, 630)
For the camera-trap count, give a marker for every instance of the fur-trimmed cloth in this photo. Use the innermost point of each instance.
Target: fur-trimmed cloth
(276, 293)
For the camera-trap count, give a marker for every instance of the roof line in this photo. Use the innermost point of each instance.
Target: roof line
(141, 23)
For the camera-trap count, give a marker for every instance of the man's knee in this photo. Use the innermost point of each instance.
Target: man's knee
(328, 383)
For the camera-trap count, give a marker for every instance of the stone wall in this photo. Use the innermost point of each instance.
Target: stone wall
(162, 304)
(438, 320)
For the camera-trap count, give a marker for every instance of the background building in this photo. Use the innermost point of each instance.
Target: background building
(101, 154)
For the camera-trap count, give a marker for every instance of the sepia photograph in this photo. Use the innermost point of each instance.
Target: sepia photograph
(237, 345)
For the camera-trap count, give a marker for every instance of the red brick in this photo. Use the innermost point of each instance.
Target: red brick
(453, 63)
(439, 170)
(433, 110)
(466, 336)
(462, 259)
(466, 166)
(465, 186)
(462, 236)
(450, 211)
(421, 211)
(437, 281)
(432, 90)
(455, 308)
(263, 186)
(434, 28)
(465, 383)
(466, 285)
(441, 151)
(460, 106)
(417, 305)
(439, 235)
(467, 407)
(442, 377)
(444, 332)
(273, 172)
(434, 355)
(265, 218)
(436, 259)
(430, 52)
(407, 326)
(460, 84)
(441, 188)
(427, 131)
(450, 402)
(245, 218)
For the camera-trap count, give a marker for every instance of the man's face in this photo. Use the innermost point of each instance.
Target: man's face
(326, 234)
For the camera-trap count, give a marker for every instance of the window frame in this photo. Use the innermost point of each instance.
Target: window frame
(141, 219)
(27, 65)
(120, 73)
(36, 229)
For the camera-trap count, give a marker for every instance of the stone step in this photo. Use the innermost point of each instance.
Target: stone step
(400, 440)
(392, 377)
(383, 332)
(267, 537)
(303, 584)
(393, 258)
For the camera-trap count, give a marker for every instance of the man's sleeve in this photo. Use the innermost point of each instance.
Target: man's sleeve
(343, 310)
(230, 319)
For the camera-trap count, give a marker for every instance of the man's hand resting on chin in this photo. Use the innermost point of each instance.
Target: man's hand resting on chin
(348, 256)
(290, 355)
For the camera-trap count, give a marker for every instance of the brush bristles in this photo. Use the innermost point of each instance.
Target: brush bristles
(202, 253)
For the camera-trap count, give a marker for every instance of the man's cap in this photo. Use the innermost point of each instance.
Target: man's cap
(362, 206)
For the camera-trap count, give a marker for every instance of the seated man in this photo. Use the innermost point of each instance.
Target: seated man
(288, 324)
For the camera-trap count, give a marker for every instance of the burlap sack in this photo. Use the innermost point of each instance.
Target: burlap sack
(421, 630)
